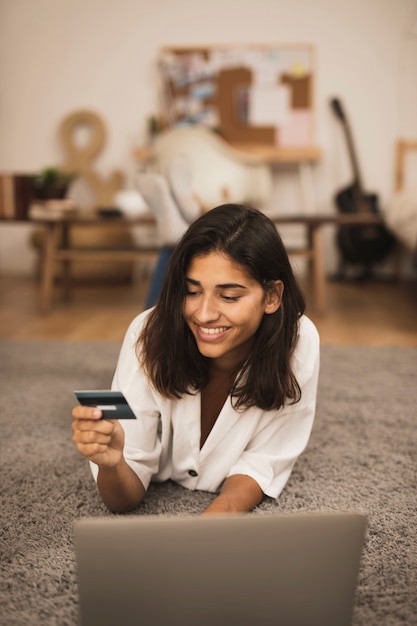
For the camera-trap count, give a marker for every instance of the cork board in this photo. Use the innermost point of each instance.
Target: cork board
(250, 94)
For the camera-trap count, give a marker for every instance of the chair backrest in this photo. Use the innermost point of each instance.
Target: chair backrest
(404, 149)
(219, 172)
(401, 209)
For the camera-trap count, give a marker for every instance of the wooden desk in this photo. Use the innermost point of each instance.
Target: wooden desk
(301, 158)
(57, 230)
(58, 249)
(313, 250)
(254, 152)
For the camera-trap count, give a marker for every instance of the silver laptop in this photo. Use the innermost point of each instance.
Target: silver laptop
(244, 570)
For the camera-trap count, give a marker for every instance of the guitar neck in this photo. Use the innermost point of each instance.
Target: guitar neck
(357, 178)
(359, 201)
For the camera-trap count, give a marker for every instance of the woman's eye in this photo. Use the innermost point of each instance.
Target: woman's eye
(191, 292)
(230, 298)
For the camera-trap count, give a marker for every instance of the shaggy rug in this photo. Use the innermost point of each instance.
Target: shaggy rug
(361, 457)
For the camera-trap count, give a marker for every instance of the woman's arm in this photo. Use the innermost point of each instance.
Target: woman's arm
(120, 488)
(239, 494)
(102, 441)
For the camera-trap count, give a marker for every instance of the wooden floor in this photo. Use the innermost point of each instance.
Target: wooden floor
(359, 313)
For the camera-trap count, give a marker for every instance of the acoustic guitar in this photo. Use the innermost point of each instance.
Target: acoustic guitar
(363, 245)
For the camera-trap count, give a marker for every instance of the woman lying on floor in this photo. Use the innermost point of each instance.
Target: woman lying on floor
(221, 374)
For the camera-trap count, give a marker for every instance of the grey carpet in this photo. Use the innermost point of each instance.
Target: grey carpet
(361, 456)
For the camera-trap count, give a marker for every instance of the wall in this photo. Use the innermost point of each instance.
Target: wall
(57, 56)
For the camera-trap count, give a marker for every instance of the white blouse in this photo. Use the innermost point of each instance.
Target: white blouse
(164, 442)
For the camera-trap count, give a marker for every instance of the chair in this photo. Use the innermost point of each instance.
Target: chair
(401, 214)
(219, 172)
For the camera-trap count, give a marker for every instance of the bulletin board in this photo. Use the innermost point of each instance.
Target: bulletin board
(249, 94)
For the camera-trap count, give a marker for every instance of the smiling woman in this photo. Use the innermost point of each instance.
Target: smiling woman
(224, 307)
(222, 373)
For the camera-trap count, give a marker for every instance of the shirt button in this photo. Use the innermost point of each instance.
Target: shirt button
(192, 473)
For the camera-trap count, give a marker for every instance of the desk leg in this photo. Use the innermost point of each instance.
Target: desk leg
(66, 263)
(318, 270)
(48, 265)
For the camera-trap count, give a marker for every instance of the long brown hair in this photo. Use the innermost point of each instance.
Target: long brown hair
(166, 347)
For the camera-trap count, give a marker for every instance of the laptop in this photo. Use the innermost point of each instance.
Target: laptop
(237, 570)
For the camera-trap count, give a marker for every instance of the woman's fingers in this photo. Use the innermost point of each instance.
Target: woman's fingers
(100, 441)
(91, 450)
(80, 412)
(90, 440)
(91, 436)
(102, 426)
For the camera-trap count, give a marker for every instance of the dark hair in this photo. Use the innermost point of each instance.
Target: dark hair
(166, 347)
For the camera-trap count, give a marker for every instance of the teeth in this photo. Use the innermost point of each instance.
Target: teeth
(213, 331)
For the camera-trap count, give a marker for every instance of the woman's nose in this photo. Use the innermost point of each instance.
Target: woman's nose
(207, 310)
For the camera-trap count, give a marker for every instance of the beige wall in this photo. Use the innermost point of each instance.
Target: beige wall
(57, 56)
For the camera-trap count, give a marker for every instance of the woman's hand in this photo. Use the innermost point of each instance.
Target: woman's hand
(239, 494)
(100, 441)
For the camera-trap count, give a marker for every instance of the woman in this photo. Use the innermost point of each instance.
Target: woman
(222, 373)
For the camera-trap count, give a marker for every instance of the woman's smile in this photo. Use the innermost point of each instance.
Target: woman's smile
(212, 332)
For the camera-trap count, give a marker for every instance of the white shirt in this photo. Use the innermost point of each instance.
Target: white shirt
(164, 442)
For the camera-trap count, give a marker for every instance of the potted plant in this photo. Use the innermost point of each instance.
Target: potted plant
(51, 183)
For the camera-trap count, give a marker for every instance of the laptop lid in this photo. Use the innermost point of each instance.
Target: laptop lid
(292, 569)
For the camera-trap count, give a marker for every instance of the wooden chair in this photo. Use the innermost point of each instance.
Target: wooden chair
(402, 209)
(403, 150)
(219, 172)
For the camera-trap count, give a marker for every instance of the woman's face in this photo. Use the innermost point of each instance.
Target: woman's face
(224, 307)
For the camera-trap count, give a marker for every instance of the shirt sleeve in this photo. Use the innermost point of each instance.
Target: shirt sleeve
(282, 435)
(142, 444)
